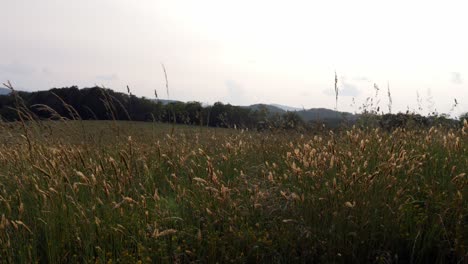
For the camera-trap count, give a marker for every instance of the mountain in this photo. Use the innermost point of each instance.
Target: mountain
(165, 101)
(326, 115)
(4, 91)
(287, 108)
(272, 109)
(308, 115)
(87, 102)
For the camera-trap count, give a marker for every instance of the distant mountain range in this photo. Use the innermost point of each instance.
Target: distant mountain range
(309, 115)
(4, 91)
(272, 109)
(287, 108)
(323, 114)
(164, 101)
(313, 114)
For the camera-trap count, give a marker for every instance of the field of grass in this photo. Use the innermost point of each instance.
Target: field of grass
(128, 192)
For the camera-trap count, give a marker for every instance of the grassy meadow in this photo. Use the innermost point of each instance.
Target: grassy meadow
(130, 192)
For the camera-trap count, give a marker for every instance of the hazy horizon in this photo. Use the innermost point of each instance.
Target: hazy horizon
(244, 52)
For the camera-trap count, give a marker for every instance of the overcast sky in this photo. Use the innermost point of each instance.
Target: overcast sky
(244, 51)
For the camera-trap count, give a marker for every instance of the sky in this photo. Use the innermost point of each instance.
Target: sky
(246, 51)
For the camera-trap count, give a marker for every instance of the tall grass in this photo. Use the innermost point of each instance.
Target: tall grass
(125, 192)
(230, 196)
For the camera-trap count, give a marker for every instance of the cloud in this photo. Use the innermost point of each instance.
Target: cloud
(456, 78)
(107, 77)
(361, 79)
(46, 71)
(349, 90)
(345, 89)
(236, 92)
(16, 69)
(304, 94)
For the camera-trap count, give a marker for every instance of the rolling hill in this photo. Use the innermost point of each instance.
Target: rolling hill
(321, 114)
(165, 101)
(308, 115)
(4, 91)
(267, 107)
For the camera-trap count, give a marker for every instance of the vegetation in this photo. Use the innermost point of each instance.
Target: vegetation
(390, 188)
(126, 192)
(105, 104)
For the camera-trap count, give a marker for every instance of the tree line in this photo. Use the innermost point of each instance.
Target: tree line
(98, 103)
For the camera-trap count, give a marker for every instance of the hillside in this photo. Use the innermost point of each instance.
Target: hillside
(266, 107)
(4, 91)
(165, 101)
(286, 107)
(96, 103)
(319, 114)
(314, 114)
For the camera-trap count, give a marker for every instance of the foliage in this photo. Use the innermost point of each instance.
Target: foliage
(127, 192)
(104, 104)
(463, 117)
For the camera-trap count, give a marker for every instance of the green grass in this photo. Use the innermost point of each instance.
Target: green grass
(124, 192)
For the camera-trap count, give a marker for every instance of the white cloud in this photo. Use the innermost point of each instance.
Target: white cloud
(456, 78)
(345, 89)
(236, 93)
(107, 77)
(16, 69)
